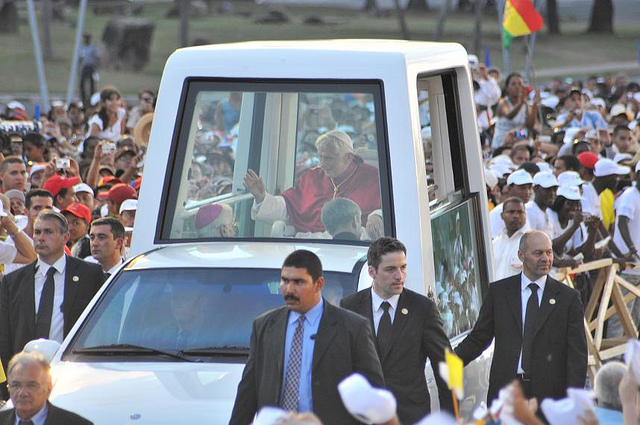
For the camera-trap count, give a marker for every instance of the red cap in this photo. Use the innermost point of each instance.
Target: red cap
(121, 192)
(56, 183)
(108, 179)
(588, 159)
(79, 210)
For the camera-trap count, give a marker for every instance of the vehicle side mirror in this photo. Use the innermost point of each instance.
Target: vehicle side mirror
(46, 347)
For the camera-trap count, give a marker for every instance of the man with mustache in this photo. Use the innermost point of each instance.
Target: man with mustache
(45, 298)
(538, 327)
(300, 352)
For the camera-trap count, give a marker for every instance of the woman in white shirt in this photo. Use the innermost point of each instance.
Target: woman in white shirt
(513, 112)
(109, 122)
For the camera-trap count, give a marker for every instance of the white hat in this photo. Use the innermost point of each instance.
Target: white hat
(570, 134)
(39, 166)
(82, 187)
(545, 179)
(592, 134)
(621, 157)
(569, 178)
(269, 415)
(473, 61)
(490, 178)
(618, 109)
(519, 178)
(500, 170)
(606, 167)
(129, 205)
(544, 166)
(598, 101)
(14, 104)
(569, 192)
(567, 410)
(365, 403)
(95, 99)
(550, 101)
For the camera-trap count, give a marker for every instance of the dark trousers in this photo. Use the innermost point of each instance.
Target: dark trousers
(86, 76)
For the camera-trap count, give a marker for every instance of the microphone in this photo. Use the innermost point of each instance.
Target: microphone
(313, 337)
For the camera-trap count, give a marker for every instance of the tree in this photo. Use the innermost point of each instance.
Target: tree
(418, 5)
(601, 17)
(553, 23)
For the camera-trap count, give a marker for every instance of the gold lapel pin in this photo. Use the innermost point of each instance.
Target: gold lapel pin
(552, 301)
(75, 279)
(405, 311)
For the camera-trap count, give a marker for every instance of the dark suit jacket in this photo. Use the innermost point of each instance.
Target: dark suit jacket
(17, 302)
(55, 416)
(344, 345)
(416, 335)
(559, 353)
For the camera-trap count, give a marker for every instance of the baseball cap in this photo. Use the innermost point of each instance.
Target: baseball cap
(55, 184)
(619, 109)
(519, 178)
(588, 159)
(367, 404)
(120, 192)
(14, 104)
(83, 187)
(545, 179)
(38, 166)
(15, 193)
(622, 157)
(569, 178)
(129, 205)
(569, 192)
(108, 180)
(606, 167)
(79, 210)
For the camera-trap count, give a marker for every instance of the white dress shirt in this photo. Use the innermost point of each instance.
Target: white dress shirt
(525, 293)
(56, 331)
(505, 253)
(538, 219)
(376, 303)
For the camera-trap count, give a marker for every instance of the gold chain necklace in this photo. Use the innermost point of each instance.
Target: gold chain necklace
(337, 186)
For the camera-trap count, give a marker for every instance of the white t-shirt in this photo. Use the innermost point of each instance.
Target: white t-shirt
(113, 133)
(578, 237)
(628, 205)
(590, 200)
(538, 219)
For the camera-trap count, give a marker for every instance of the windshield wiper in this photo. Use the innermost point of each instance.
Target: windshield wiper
(115, 349)
(229, 350)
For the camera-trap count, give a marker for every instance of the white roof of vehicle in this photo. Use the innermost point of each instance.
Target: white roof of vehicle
(315, 58)
(246, 255)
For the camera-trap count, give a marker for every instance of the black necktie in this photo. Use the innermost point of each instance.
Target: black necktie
(45, 309)
(384, 330)
(529, 327)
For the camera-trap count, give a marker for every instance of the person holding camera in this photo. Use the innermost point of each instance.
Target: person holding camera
(513, 111)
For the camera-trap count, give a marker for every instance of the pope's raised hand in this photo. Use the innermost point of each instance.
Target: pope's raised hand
(255, 185)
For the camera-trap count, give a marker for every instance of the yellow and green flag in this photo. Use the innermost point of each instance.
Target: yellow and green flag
(520, 18)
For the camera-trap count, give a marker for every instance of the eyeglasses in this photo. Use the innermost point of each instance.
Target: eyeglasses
(29, 386)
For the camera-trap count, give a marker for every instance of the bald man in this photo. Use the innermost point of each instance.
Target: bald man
(538, 327)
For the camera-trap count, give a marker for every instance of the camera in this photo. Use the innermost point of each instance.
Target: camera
(63, 163)
(108, 147)
(522, 135)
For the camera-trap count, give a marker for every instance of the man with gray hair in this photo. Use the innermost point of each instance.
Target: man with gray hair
(30, 386)
(341, 174)
(607, 381)
(342, 219)
(45, 298)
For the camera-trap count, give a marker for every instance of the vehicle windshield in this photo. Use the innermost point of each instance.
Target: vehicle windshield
(277, 160)
(189, 309)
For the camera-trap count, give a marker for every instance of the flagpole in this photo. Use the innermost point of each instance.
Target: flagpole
(532, 42)
(505, 52)
(532, 73)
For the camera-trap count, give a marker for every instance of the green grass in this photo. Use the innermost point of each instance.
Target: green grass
(572, 48)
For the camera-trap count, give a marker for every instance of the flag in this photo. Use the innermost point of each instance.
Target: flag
(520, 18)
(451, 372)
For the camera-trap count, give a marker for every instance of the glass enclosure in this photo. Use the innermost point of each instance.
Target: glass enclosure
(273, 160)
(175, 310)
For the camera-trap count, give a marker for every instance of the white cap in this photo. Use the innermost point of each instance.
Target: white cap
(14, 104)
(569, 192)
(82, 187)
(618, 109)
(569, 178)
(365, 403)
(545, 179)
(502, 159)
(567, 410)
(519, 178)
(37, 167)
(550, 101)
(621, 157)
(591, 134)
(473, 61)
(598, 101)
(544, 166)
(570, 134)
(606, 167)
(95, 99)
(129, 205)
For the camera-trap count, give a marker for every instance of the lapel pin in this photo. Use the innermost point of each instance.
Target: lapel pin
(405, 311)
(75, 279)
(552, 301)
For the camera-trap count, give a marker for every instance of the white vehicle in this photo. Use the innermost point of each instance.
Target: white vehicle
(222, 110)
